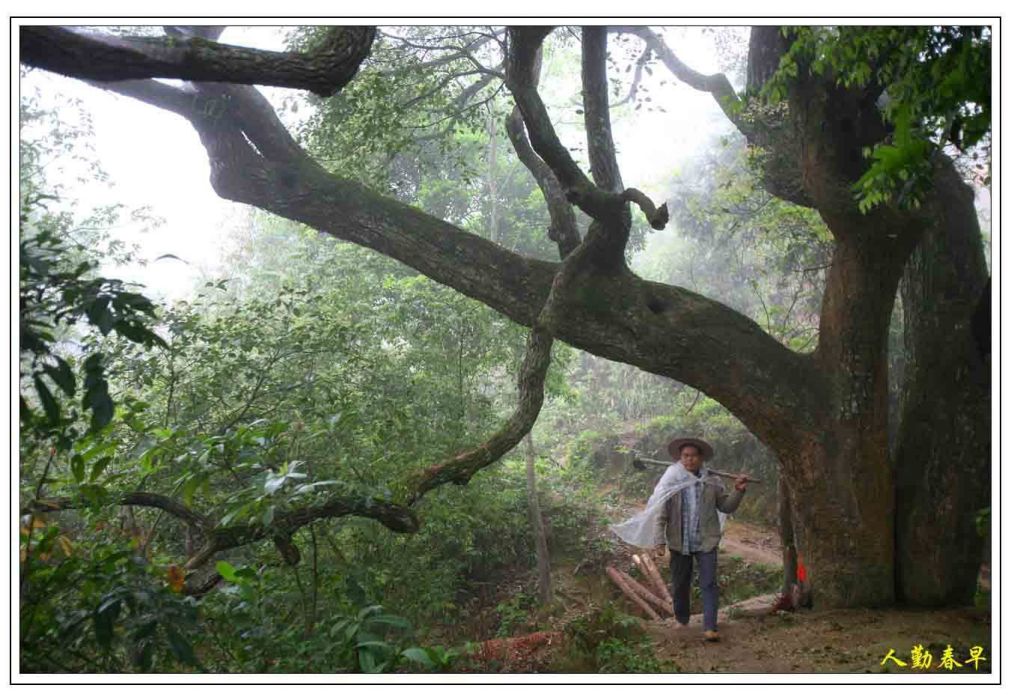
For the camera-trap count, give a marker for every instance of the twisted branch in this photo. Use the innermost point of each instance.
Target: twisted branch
(657, 216)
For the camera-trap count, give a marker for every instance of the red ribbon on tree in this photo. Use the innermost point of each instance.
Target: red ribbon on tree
(801, 571)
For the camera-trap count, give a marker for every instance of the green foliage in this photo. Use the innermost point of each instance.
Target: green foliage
(741, 580)
(404, 106)
(248, 624)
(513, 613)
(436, 659)
(364, 639)
(589, 450)
(932, 84)
(605, 640)
(63, 302)
(983, 521)
(94, 604)
(55, 296)
(269, 401)
(981, 599)
(317, 369)
(758, 254)
(617, 656)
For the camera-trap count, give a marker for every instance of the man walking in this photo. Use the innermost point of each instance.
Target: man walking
(689, 524)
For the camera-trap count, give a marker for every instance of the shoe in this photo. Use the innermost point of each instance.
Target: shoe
(711, 636)
(683, 623)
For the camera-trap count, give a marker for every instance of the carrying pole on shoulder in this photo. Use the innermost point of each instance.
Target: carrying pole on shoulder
(641, 462)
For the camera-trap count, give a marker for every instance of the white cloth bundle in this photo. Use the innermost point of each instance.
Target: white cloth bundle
(641, 530)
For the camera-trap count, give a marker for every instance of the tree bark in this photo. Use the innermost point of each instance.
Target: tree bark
(95, 56)
(537, 526)
(943, 459)
(787, 538)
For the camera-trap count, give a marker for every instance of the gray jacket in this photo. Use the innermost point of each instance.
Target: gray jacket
(714, 497)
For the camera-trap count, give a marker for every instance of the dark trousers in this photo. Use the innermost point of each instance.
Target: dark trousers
(681, 581)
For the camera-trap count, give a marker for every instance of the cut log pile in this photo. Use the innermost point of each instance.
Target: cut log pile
(651, 596)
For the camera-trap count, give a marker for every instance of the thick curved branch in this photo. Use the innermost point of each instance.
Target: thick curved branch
(104, 57)
(286, 522)
(563, 230)
(394, 516)
(657, 216)
(658, 328)
(461, 468)
(298, 189)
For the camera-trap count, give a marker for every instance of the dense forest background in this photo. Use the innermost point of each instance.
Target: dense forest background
(301, 367)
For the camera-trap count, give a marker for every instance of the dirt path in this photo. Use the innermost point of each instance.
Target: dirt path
(755, 641)
(834, 641)
(752, 543)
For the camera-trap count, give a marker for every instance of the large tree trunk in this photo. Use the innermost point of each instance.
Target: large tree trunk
(837, 462)
(943, 457)
(843, 521)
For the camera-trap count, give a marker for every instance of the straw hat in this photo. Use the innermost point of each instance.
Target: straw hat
(674, 448)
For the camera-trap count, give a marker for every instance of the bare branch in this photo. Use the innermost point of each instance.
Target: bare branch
(93, 56)
(439, 86)
(483, 38)
(633, 90)
(454, 114)
(525, 43)
(657, 217)
(596, 112)
(717, 84)
(136, 498)
(468, 92)
(564, 231)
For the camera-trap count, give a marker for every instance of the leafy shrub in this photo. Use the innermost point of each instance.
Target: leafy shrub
(605, 640)
(513, 613)
(617, 656)
(100, 607)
